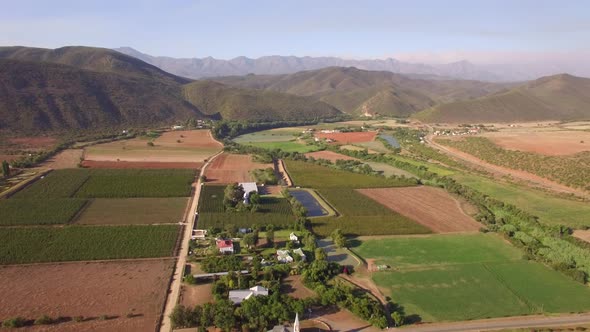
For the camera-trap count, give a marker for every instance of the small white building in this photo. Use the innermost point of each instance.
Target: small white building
(299, 252)
(283, 256)
(199, 234)
(293, 237)
(239, 295)
(248, 188)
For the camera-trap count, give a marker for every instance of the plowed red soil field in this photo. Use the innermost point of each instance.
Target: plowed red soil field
(431, 207)
(328, 155)
(129, 293)
(139, 164)
(349, 138)
(229, 168)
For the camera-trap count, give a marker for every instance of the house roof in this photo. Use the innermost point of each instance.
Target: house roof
(248, 187)
(299, 252)
(224, 244)
(239, 295)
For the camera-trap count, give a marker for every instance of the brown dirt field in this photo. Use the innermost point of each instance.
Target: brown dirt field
(139, 164)
(293, 286)
(270, 190)
(191, 138)
(431, 207)
(582, 235)
(192, 295)
(344, 320)
(34, 142)
(66, 159)
(551, 143)
(329, 155)
(230, 168)
(88, 289)
(9, 157)
(349, 138)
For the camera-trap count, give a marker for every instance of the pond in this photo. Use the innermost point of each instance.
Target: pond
(314, 208)
(390, 139)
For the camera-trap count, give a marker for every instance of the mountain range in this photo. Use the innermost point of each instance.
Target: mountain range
(73, 88)
(198, 68)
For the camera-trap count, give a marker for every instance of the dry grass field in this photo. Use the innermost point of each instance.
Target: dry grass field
(140, 164)
(552, 143)
(431, 207)
(229, 168)
(130, 294)
(582, 235)
(69, 158)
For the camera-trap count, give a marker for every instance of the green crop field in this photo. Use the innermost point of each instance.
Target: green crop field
(105, 183)
(273, 210)
(39, 211)
(111, 183)
(130, 211)
(57, 184)
(360, 215)
(462, 277)
(72, 243)
(272, 135)
(315, 176)
(549, 209)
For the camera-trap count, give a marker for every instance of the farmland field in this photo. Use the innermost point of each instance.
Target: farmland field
(431, 207)
(328, 155)
(71, 243)
(549, 209)
(315, 176)
(90, 290)
(461, 277)
(195, 146)
(360, 215)
(69, 158)
(551, 143)
(140, 164)
(290, 146)
(349, 138)
(230, 168)
(39, 211)
(273, 210)
(131, 211)
(57, 184)
(572, 170)
(272, 135)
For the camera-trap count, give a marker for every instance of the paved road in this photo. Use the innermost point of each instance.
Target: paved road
(503, 323)
(174, 290)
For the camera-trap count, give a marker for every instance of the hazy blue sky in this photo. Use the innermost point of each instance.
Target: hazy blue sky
(361, 29)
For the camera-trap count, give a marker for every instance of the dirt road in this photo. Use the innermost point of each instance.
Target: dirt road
(189, 218)
(503, 171)
(503, 323)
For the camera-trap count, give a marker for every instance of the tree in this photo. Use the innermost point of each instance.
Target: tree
(5, 169)
(398, 318)
(250, 240)
(338, 238)
(233, 194)
(320, 254)
(270, 237)
(224, 315)
(254, 198)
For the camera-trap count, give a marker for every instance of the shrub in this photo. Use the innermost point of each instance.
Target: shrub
(14, 322)
(44, 320)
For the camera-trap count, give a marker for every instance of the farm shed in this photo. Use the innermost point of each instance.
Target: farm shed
(239, 295)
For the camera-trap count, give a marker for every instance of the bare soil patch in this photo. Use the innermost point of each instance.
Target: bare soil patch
(344, 320)
(551, 143)
(431, 207)
(193, 295)
(140, 164)
(188, 138)
(69, 158)
(328, 155)
(350, 138)
(88, 289)
(9, 157)
(583, 235)
(293, 286)
(230, 168)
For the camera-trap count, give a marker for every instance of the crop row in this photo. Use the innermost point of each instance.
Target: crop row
(72, 243)
(570, 170)
(111, 183)
(39, 211)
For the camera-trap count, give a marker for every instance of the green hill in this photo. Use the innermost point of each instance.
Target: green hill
(218, 100)
(558, 97)
(358, 91)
